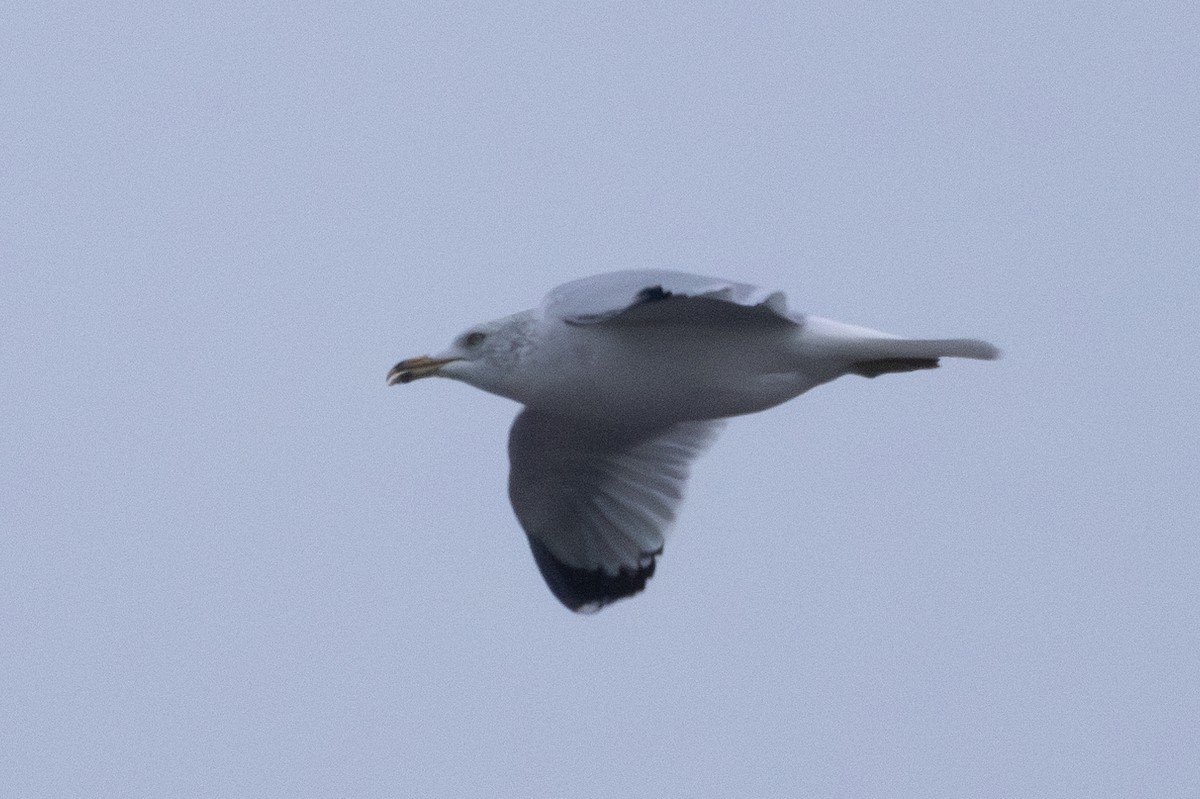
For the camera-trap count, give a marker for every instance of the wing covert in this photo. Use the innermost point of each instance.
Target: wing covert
(660, 295)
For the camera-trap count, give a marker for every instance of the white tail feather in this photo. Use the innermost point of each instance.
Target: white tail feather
(872, 352)
(926, 348)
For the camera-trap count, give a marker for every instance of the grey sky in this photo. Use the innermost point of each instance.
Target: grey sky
(234, 563)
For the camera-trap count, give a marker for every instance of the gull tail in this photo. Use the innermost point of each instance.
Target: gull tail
(870, 353)
(884, 356)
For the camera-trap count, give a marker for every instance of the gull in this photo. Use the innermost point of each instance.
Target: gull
(625, 379)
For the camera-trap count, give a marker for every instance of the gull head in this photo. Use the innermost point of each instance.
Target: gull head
(484, 355)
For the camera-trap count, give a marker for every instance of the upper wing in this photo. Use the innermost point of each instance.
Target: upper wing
(635, 296)
(595, 502)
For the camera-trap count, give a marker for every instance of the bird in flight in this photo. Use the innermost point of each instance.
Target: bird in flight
(625, 379)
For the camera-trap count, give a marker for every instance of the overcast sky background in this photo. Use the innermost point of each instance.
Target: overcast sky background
(234, 563)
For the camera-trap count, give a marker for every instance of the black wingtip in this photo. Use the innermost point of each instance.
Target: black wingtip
(885, 366)
(653, 294)
(586, 590)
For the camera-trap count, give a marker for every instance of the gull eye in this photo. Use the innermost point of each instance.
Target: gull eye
(474, 338)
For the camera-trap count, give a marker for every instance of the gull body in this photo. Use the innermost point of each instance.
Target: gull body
(625, 378)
